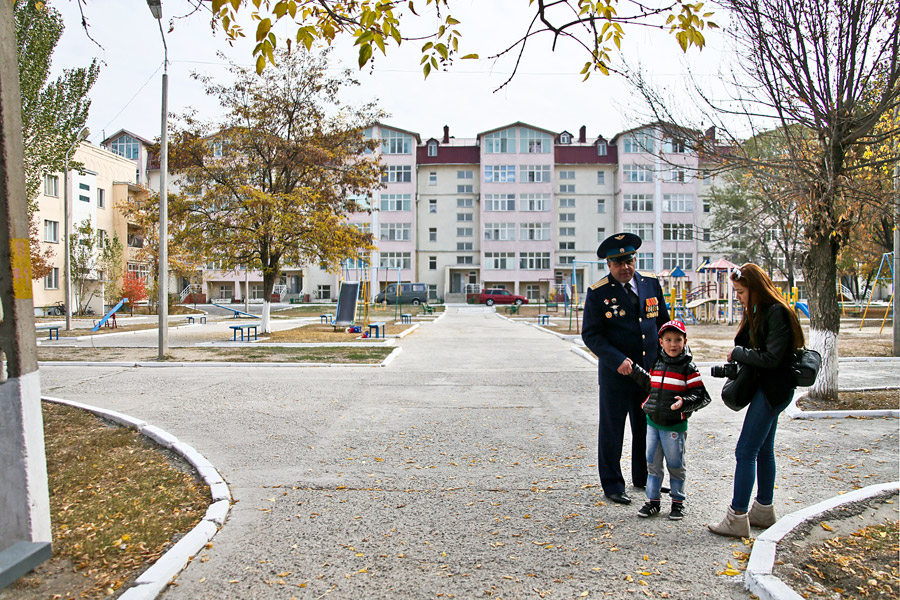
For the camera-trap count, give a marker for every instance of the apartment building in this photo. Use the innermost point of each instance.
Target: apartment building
(105, 181)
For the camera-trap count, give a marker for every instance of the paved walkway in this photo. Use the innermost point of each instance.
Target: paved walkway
(464, 469)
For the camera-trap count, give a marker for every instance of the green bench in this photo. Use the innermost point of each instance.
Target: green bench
(428, 310)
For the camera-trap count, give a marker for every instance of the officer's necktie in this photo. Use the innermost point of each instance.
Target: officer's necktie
(635, 301)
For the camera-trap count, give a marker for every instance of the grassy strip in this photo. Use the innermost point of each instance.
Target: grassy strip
(339, 355)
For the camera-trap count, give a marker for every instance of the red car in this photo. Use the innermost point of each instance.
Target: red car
(492, 296)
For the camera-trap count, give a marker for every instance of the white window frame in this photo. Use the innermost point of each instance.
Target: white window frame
(637, 173)
(499, 202)
(500, 173)
(395, 232)
(534, 261)
(394, 142)
(500, 142)
(678, 232)
(680, 203)
(642, 230)
(499, 261)
(534, 232)
(499, 232)
(395, 202)
(395, 260)
(535, 173)
(432, 148)
(51, 185)
(534, 202)
(51, 231)
(637, 203)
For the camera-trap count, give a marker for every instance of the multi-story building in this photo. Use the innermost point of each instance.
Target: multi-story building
(95, 192)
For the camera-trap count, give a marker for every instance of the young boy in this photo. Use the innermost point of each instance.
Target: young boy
(675, 390)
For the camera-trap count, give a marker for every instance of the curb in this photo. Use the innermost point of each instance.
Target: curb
(154, 580)
(794, 411)
(758, 578)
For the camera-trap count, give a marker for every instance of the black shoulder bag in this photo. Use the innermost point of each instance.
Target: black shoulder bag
(806, 366)
(738, 392)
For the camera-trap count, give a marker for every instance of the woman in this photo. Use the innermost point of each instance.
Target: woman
(768, 335)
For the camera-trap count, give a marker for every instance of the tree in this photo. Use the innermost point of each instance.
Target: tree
(822, 74)
(597, 26)
(53, 112)
(273, 182)
(94, 259)
(134, 288)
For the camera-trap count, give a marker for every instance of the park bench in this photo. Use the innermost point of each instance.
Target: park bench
(543, 319)
(406, 318)
(190, 320)
(324, 318)
(49, 328)
(552, 307)
(241, 328)
(512, 309)
(378, 327)
(428, 310)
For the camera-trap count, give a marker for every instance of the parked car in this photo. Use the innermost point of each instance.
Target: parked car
(492, 296)
(410, 293)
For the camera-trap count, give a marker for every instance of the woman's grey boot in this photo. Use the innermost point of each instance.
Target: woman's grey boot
(762, 515)
(732, 525)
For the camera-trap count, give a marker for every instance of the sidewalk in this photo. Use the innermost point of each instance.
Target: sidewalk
(466, 468)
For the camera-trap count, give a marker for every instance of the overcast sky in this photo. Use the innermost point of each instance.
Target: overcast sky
(547, 92)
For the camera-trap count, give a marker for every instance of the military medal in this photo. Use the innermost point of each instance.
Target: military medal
(608, 315)
(621, 313)
(652, 308)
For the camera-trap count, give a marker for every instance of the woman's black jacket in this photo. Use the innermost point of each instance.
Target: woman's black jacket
(772, 360)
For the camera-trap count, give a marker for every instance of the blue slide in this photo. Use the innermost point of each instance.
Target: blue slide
(802, 307)
(109, 314)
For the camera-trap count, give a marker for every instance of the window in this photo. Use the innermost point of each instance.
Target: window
(533, 142)
(672, 146)
(432, 205)
(772, 234)
(84, 198)
(465, 174)
(500, 173)
(363, 227)
(566, 260)
(465, 189)
(534, 231)
(217, 149)
(397, 174)
(432, 291)
(601, 234)
(677, 175)
(464, 246)
(432, 234)
(645, 261)
(101, 198)
(637, 173)
(567, 245)
(103, 238)
(51, 186)
(685, 260)
(567, 188)
(566, 231)
(499, 232)
(126, 146)
(465, 232)
(323, 292)
(566, 217)
(642, 230)
(395, 260)
(499, 261)
(432, 148)
(601, 148)
(395, 202)
(51, 280)
(51, 231)
(361, 200)
(465, 260)
(678, 203)
(565, 138)
(464, 203)
(570, 175)
(637, 142)
(535, 173)
(601, 177)
(601, 205)
(395, 232)
(500, 142)
(499, 202)
(705, 234)
(678, 232)
(706, 206)
(638, 202)
(567, 202)
(394, 142)
(139, 270)
(534, 261)
(534, 202)
(432, 263)
(464, 217)
(432, 178)
(84, 186)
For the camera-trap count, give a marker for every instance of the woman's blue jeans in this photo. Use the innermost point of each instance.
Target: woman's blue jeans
(755, 454)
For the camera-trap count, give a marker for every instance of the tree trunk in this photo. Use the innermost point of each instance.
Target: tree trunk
(825, 314)
(269, 277)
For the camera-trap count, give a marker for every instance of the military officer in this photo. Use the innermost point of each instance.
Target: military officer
(622, 313)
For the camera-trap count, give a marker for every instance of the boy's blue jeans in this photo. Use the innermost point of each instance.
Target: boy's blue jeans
(755, 454)
(672, 445)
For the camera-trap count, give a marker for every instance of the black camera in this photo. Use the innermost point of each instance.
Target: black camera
(729, 370)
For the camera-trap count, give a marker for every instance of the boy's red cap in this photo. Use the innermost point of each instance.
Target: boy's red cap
(673, 325)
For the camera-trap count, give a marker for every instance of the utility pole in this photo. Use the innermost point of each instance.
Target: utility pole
(24, 498)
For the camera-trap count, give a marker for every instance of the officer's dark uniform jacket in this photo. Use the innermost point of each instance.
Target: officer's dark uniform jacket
(670, 377)
(612, 330)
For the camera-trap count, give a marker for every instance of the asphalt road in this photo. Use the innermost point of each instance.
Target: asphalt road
(466, 468)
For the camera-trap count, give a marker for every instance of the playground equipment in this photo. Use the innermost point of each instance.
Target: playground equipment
(887, 257)
(106, 317)
(345, 313)
(713, 298)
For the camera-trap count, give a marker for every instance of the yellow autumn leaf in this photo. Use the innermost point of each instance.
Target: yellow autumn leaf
(826, 526)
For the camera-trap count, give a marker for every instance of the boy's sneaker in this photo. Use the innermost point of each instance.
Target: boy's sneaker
(649, 509)
(677, 512)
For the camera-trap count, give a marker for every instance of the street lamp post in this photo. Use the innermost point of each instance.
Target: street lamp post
(67, 225)
(163, 280)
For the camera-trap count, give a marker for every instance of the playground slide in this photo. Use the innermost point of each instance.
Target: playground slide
(109, 314)
(346, 307)
(699, 301)
(803, 307)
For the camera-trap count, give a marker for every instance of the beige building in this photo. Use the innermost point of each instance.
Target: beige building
(95, 192)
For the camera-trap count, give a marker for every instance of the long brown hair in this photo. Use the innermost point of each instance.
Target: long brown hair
(762, 292)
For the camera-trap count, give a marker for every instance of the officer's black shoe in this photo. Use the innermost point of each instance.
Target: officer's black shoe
(619, 498)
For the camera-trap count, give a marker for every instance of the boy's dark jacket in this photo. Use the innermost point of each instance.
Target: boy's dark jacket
(670, 377)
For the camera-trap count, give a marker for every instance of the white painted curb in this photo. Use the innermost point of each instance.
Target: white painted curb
(758, 578)
(154, 580)
(794, 412)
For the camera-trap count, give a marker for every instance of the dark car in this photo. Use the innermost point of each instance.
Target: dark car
(492, 296)
(410, 293)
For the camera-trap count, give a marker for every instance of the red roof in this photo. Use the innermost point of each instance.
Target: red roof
(584, 155)
(449, 155)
